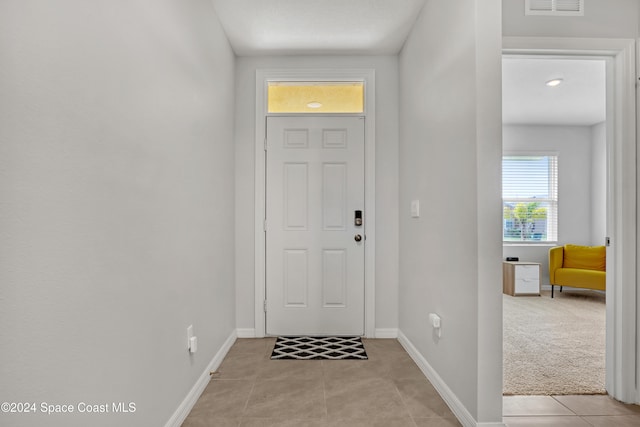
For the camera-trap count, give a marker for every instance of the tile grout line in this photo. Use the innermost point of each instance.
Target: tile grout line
(586, 421)
(246, 403)
(404, 403)
(324, 391)
(572, 411)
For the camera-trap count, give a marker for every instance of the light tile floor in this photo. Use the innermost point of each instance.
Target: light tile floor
(568, 411)
(387, 390)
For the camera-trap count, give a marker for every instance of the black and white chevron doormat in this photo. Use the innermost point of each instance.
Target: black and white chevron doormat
(307, 348)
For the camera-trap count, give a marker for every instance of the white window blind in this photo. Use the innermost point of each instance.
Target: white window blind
(530, 198)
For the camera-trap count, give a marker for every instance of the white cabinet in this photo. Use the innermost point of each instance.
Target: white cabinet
(521, 278)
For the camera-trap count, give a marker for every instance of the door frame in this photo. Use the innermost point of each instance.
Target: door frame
(263, 77)
(622, 324)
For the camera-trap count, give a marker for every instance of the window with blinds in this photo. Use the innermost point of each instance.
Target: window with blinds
(530, 198)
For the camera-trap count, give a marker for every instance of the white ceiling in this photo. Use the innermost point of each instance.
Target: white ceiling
(300, 27)
(579, 100)
(379, 27)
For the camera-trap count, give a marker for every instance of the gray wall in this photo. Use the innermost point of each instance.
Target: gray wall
(386, 69)
(450, 154)
(598, 183)
(117, 189)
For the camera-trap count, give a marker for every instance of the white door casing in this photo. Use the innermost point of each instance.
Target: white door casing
(263, 77)
(314, 248)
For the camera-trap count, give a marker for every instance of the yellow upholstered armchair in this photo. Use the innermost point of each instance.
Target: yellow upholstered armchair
(578, 267)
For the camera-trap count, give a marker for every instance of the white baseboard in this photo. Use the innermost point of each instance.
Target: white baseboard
(456, 406)
(187, 404)
(246, 332)
(386, 333)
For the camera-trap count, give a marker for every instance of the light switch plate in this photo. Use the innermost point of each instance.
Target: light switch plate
(415, 209)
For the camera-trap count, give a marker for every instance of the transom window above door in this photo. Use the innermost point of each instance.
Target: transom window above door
(315, 97)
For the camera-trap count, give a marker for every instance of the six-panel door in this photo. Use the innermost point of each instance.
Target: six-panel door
(314, 261)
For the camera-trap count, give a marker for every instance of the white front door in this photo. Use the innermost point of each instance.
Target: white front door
(314, 246)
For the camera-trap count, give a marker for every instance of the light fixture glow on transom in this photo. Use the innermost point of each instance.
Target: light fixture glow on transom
(554, 82)
(314, 104)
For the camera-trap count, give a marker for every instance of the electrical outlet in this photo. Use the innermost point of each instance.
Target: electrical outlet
(435, 322)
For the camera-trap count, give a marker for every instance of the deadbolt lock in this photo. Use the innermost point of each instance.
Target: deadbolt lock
(357, 218)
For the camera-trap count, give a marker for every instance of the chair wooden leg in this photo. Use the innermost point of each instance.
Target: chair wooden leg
(560, 288)
(552, 287)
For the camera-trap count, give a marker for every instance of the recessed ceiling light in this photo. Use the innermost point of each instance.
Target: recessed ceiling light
(314, 104)
(554, 82)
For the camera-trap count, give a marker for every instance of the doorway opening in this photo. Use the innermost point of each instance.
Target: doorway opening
(554, 193)
(620, 200)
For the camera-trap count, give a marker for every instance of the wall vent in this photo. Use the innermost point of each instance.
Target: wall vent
(554, 7)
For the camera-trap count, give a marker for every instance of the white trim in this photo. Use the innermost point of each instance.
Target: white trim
(622, 297)
(192, 397)
(459, 410)
(513, 153)
(246, 333)
(385, 333)
(368, 77)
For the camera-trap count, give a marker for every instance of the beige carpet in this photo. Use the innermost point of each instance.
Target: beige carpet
(554, 346)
